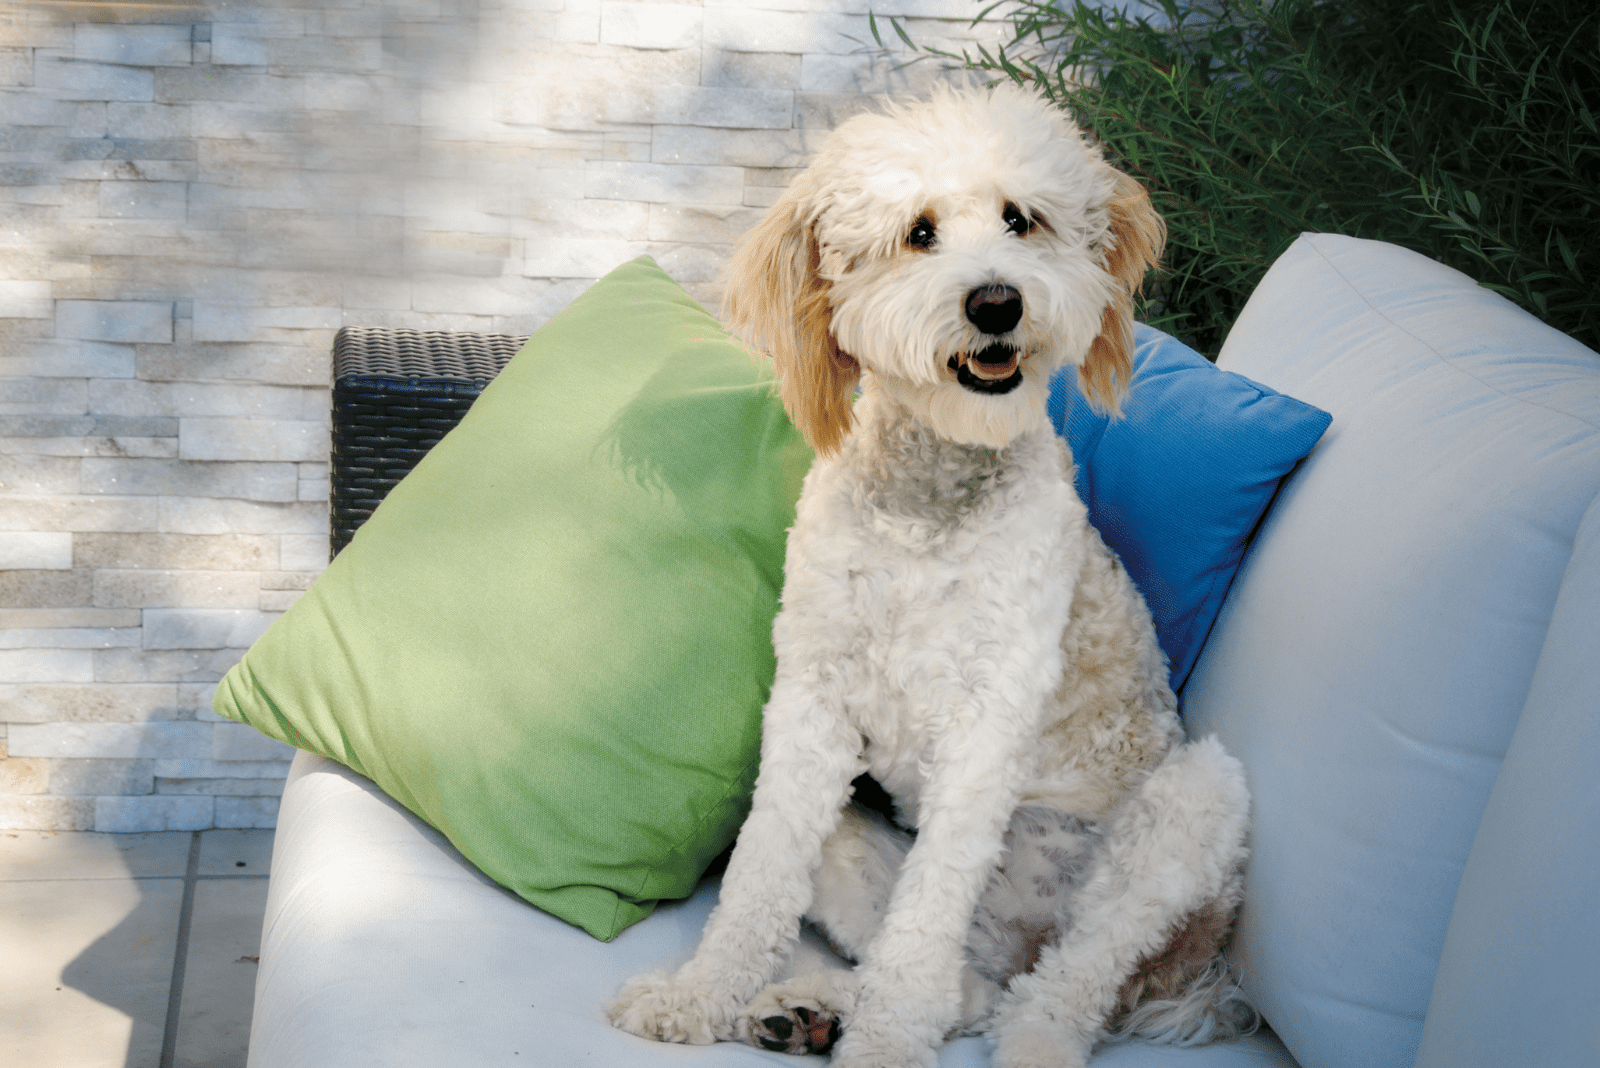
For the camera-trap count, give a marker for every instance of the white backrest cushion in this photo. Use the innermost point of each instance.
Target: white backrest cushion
(1517, 979)
(1377, 647)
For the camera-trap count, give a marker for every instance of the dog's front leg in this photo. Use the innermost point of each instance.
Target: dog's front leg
(910, 981)
(808, 757)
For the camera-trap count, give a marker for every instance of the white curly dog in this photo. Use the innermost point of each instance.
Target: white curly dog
(1064, 866)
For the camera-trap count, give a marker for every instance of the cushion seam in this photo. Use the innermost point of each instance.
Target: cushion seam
(1441, 357)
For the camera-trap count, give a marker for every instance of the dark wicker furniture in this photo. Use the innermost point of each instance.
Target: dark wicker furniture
(395, 394)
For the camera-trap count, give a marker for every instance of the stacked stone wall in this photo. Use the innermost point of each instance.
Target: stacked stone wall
(194, 199)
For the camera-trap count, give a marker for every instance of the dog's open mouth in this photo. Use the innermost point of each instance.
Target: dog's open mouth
(996, 369)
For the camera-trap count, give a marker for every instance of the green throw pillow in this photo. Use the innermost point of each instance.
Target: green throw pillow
(554, 638)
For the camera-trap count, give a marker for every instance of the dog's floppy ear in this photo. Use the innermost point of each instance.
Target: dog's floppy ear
(777, 302)
(1133, 243)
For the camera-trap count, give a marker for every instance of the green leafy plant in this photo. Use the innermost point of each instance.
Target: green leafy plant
(1463, 129)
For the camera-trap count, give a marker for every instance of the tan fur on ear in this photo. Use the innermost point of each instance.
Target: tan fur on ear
(776, 301)
(1134, 242)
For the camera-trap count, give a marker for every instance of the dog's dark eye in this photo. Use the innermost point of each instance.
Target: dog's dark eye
(1015, 221)
(921, 235)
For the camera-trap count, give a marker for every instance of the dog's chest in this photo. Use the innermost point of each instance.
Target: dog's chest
(938, 617)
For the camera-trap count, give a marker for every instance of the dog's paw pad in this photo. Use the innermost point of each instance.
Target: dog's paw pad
(790, 1027)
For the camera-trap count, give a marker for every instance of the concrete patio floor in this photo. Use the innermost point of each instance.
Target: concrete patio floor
(130, 949)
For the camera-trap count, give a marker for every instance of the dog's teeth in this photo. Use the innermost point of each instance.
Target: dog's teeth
(993, 372)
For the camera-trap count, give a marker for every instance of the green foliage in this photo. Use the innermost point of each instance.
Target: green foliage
(1464, 129)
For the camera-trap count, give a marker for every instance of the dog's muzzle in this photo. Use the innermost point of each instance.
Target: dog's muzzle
(997, 368)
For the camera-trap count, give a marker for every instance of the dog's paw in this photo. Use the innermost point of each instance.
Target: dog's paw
(1039, 1045)
(662, 1007)
(804, 1015)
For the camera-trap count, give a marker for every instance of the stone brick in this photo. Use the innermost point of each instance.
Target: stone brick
(213, 769)
(44, 396)
(45, 665)
(735, 108)
(650, 25)
(748, 29)
(259, 788)
(690, 263)
(216, 321)
(196, 699)
(252, 439)
(872, 73)
(714, 224)
(323, 53)
(205, 515)
(391, 293)
(175, 589)
(16, 66)
(176, 85)
(38, 476)
(278, 600)
(193, 399)
(133, 46)
(315, 489)
(149, 122)
(79, 514)
(303, 552)
(79, 80)
(757, 70)
(155, 813)
(191, 666)
(54, 358)
(171, 740)
(46, 618)
(742, 148)
(574, 88)
(92, 777)
(247, 812)
(144, 200)
(31, 551)
(45, 426)
(242, 43)
(46, 813)
(90, 703)
(578, 257)
(544, 218)
(71, 638)
(24, 300)
(203, 628)
(823, 111)
(664, 182)
(757, 196)
(24, 775)
(44, 588)
(197, 552)
(269, 364)
(235, 741)
(150, 448)
(114, 320)
(298, 581)
(184, 478)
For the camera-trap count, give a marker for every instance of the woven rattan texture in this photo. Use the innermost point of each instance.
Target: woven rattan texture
(396, 393)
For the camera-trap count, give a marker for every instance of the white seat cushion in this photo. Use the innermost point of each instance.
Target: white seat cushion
(383, 947)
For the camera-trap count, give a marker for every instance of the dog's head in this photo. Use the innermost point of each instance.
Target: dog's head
(960, 250)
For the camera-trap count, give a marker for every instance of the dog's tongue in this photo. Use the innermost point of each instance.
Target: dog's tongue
(994, 363)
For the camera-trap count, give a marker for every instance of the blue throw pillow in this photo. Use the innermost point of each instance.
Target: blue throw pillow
(1178, 484)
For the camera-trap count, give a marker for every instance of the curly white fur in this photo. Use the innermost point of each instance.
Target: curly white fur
(953, 625)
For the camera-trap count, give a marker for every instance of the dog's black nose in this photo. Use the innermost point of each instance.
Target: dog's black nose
(994, 309)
